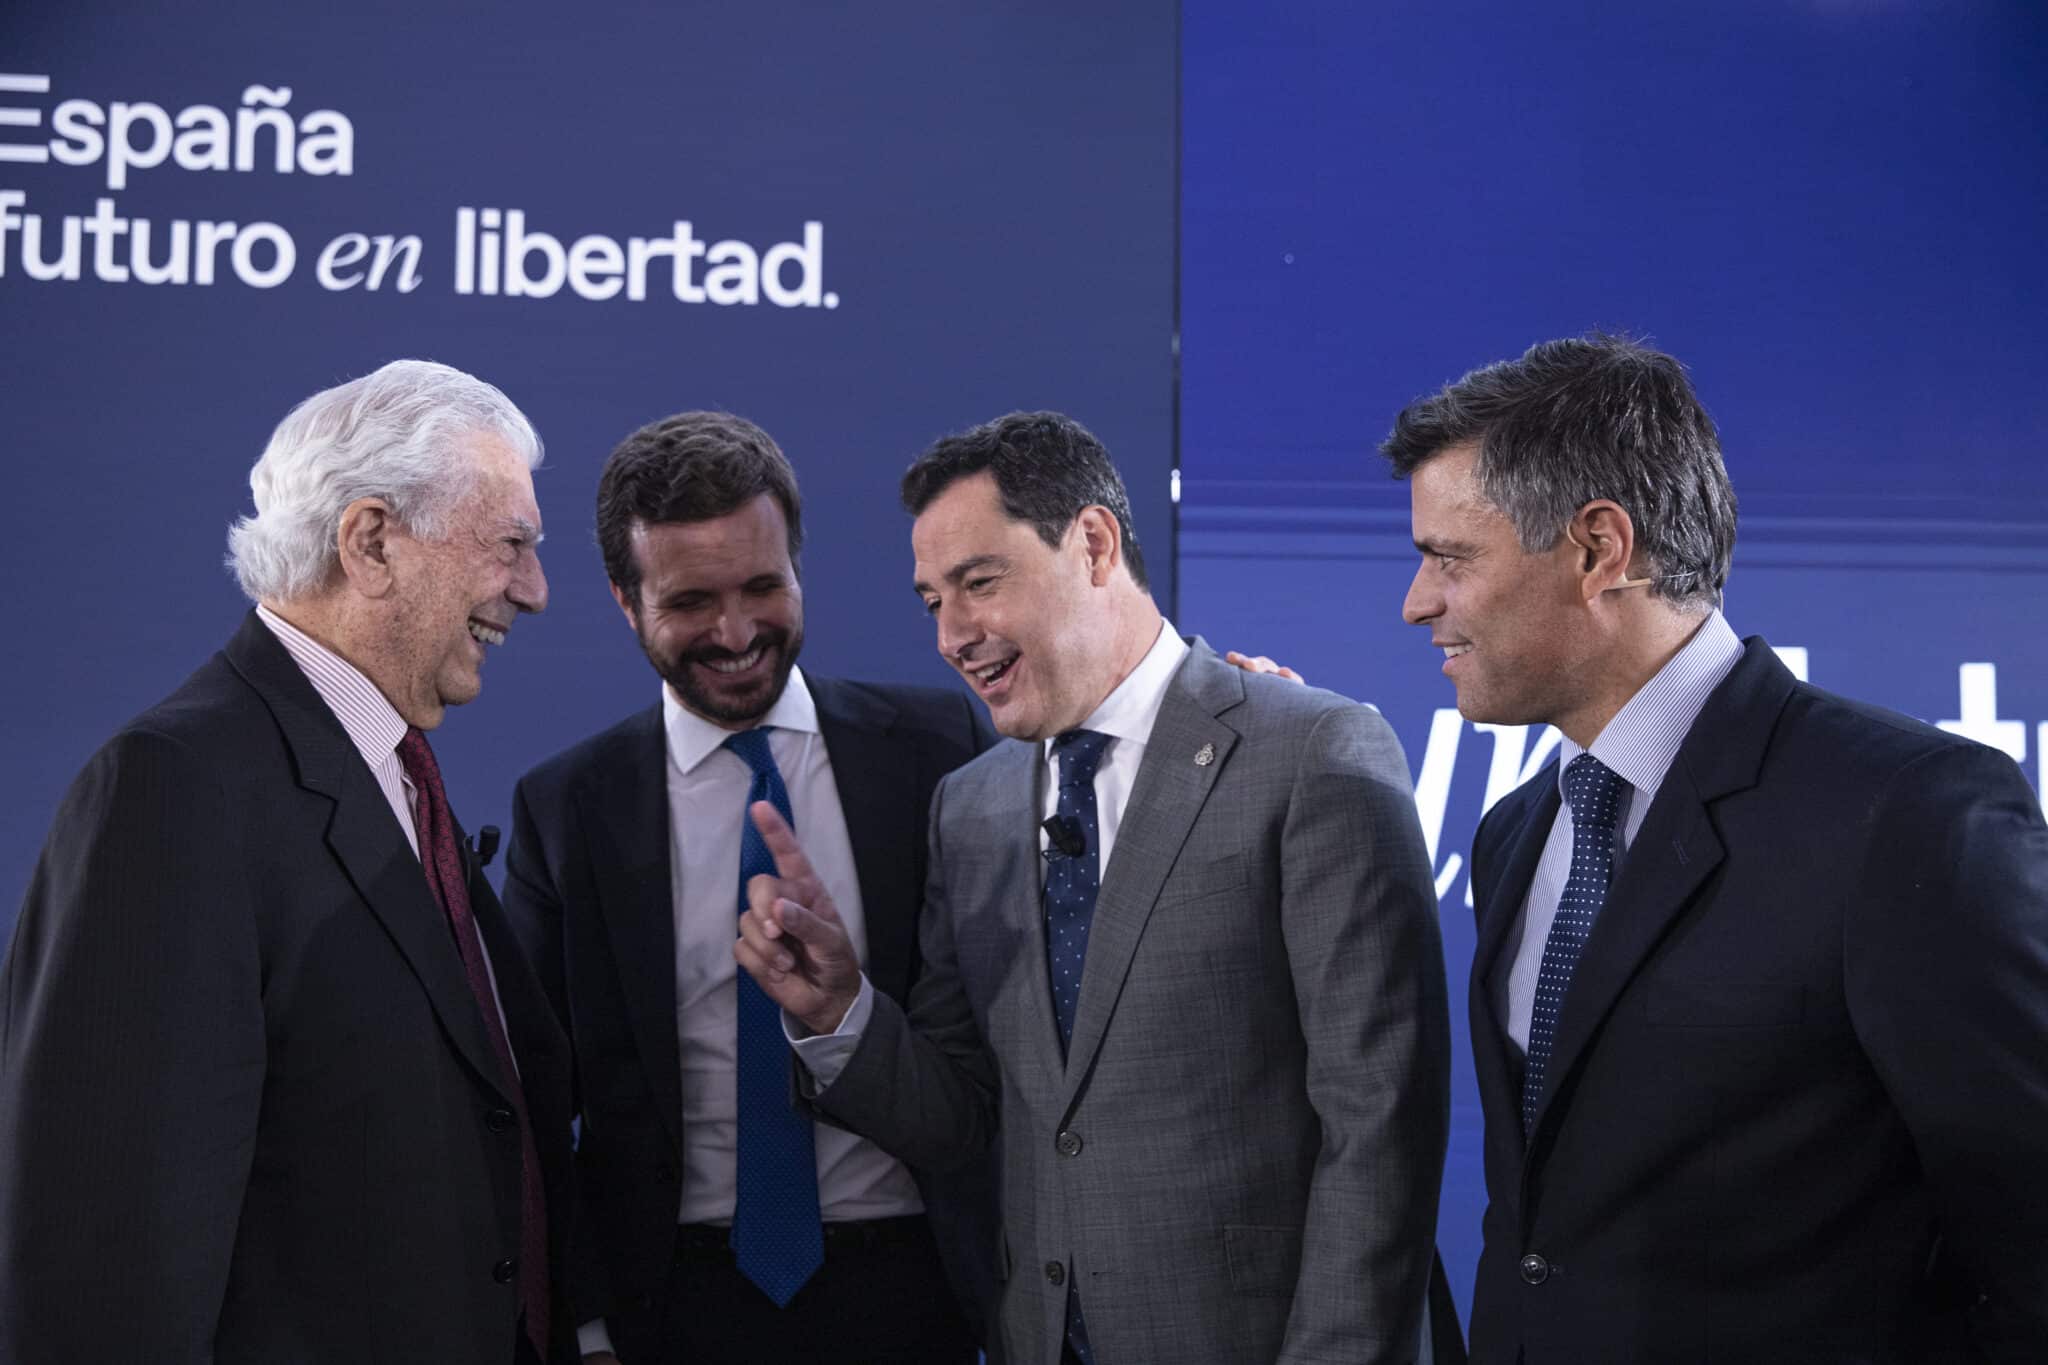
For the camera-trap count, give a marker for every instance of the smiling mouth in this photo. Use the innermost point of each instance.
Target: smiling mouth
(1453, 651)
(988, 675)
(738, 663)
(485, 634)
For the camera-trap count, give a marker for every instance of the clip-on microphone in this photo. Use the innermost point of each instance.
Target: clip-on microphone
(1064, 833)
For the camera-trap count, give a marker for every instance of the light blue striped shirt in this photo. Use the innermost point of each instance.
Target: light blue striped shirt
(1638, 744)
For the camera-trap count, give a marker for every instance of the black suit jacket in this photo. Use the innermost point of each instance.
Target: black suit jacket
(246, 1096)
(1799, 1089)
(587, 885)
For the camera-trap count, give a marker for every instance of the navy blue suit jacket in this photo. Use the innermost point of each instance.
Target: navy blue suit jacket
(1798, 1107)
(587, 886)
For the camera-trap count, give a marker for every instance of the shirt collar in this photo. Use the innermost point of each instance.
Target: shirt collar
(373, 725)
(1129, 711)
(1641, 741)
(692, 739)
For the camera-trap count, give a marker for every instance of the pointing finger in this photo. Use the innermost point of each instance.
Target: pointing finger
(791, 862)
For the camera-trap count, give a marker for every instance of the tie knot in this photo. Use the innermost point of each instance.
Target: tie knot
(752, 747)
(1080, 753)
(416, 756)
(1593, 790)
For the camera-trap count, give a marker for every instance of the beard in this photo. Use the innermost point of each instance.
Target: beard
(730, 706)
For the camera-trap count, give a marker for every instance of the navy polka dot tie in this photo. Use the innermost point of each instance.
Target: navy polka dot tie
(1593, 790)
(777, 1241)
(1071, 880)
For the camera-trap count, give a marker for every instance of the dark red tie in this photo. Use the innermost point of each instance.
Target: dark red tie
(445, 876)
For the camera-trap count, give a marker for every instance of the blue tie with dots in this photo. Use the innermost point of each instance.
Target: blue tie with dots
(777, 1240)
(1593, 791)
(1071, 881)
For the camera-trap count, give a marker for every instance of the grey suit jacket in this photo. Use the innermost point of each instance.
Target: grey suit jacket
(1239, 1159)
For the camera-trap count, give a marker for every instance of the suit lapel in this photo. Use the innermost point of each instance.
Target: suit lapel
(1169, 793)
(624, 814)
(876, 776)
(1018, 882)
(1673, 854)
(1497, 895)
(367, 841)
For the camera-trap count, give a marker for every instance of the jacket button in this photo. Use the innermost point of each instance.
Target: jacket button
(503, 1271)
(664, 1175)
(1055, 1273)
(1535, 1270)
(1069, 1144)
(499, 1120)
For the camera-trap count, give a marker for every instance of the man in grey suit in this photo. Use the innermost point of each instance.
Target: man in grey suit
(1179, 933)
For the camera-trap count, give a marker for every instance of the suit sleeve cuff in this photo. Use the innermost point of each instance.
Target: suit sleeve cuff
(592, 1337)
(824, 1055)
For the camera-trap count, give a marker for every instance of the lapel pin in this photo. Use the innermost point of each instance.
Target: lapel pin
(1205, 755)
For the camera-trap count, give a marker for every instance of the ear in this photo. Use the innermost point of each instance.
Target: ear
(1606, 541)
(364, 540)
(1101, 540)
(628, 606)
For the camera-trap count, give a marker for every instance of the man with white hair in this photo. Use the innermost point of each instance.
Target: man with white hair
(275, 1083)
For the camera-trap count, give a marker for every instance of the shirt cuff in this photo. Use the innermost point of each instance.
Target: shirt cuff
(825, 1055)
(593, 1337)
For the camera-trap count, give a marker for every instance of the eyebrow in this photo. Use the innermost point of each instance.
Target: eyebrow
(1446, 547)
(961, 570)
(525, 530)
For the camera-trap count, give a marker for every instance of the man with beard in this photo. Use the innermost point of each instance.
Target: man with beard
(720, 1225)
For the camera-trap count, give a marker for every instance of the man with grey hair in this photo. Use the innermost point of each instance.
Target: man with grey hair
(275, 1082)
(1760, 1002)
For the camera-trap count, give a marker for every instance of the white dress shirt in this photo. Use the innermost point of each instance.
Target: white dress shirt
(707, 796)
(1639, 744)
(1126, 715)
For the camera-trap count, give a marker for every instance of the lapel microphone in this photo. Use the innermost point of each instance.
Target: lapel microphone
(1064, 832)
(485, 845)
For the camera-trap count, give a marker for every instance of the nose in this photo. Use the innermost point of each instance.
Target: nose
(735, 629)
(1423, 602)
(958, 630)
(529, 587)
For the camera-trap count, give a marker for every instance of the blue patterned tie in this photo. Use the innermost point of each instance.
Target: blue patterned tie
(777, 1240)
(1071, 881)
(1593, 790)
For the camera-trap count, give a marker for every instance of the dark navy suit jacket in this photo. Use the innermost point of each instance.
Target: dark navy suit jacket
(1798, 1107)
(588, 888)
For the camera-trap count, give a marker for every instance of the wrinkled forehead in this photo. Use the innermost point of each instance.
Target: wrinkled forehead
(504, 493)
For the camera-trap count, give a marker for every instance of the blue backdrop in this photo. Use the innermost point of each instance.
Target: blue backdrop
(1832, 210)
(985, 192)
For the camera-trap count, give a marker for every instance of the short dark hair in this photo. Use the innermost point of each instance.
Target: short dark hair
(693, 466)
(1047, 468)
(1598, 416)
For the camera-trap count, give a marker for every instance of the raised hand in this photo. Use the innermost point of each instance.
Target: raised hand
(792, 940)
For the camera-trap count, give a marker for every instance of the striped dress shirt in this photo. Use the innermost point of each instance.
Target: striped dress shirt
(1639, 745)
(374, 727)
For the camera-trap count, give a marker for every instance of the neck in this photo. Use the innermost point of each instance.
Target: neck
(1628, 661)
(1135, 629)
(328, 618)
